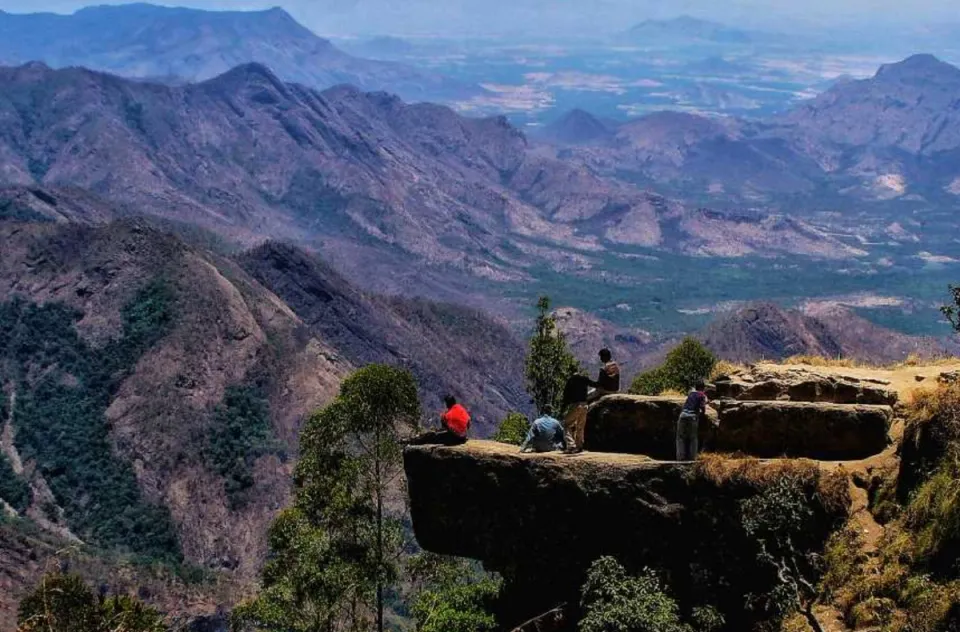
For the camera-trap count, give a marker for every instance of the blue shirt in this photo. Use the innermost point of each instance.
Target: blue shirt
(545, 435)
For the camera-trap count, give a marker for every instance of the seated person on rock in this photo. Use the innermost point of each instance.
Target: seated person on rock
(575, 393)
(694, 409)
(545, 435)
(455, 423)
(608, 380)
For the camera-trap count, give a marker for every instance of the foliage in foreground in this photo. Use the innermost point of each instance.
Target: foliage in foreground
(614, 601)
(513, 429)
(62, 602)
(688, 362)
(549, 361)
(453, 595)
(338, 547)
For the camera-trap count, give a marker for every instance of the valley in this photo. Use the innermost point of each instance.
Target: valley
(211, 220)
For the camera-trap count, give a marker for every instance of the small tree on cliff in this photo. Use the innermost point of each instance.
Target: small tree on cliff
(952, 312)
(778, 519)
(549, 361)
(335, 551)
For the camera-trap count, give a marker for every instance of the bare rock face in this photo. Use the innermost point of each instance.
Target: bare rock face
(828, 432)
(541, 520)
(634, 424)
(804, 386)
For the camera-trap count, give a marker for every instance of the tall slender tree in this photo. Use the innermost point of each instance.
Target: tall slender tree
(338, 548)
(549, 361)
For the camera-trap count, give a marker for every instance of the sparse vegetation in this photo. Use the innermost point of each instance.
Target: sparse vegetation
(63, 389)
(549, 360)
(240, 433)
(513, 429)
(688, 362)
(64, 603)
(13, 489)
(910, 581)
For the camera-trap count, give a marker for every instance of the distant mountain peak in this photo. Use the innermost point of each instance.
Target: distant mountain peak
(576, 127)
(920, 67)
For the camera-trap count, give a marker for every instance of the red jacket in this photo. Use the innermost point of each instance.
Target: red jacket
(457, 419)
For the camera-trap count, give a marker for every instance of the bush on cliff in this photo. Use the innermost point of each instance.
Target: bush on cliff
(688, 362)
(513, 429)
(615, 601)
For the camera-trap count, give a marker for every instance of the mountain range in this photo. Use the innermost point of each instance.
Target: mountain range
(364, 176)
(886, 137)
(177, 45)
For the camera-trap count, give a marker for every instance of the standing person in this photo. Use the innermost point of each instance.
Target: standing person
(454, 424)
(608, 380)
(575, 402)
(545, 435)
(688, 423)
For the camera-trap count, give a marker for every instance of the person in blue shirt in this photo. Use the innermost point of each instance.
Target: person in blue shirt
(546, 434)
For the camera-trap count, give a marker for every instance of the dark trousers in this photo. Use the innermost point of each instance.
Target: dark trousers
(438, 437)
(687, 427)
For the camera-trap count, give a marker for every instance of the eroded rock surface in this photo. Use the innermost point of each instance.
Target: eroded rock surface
(804, 386)
(634, 424)
(540, 520)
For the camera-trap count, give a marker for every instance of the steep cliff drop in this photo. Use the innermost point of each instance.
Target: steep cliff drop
(541, 520)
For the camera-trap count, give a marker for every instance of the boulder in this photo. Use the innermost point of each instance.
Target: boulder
(827, 432)
(638, 424)
(800, 385)
(540, 520)
(635, 424)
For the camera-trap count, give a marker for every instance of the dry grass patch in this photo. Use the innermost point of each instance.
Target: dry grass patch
(812, 360)
(832, 488)
(723, 368)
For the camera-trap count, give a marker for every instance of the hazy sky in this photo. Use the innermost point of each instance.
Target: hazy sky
(342, 17)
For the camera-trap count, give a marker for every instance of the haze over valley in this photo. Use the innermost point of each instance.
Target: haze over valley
(211, 215)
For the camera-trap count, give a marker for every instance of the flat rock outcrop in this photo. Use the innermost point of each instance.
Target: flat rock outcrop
(541, 520)
(634, 424)
(804, 386)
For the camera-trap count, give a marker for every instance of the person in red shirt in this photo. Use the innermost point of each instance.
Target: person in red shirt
(455, 423)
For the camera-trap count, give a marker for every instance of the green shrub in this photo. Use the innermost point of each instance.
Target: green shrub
(614, 601)
(513, 429)
(652, 382)
(689, 362)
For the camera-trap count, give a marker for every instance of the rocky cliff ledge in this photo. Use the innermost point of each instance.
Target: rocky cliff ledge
(540, 520)
(635, 424)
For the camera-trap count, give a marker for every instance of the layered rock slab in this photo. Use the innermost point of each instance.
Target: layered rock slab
(801, 385)
(541, 520)
(635, 424)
